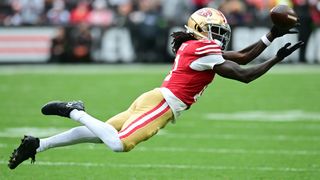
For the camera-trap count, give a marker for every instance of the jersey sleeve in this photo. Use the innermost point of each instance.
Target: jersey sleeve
(204, 48)
(207, 54)
(207, 62)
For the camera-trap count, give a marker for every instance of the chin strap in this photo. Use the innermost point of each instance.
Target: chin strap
(219, 43)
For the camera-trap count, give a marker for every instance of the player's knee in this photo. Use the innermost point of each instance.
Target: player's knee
(116, 145)
(128, 146)
(118, 149)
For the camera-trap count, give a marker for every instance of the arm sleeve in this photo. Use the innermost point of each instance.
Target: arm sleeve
(207, 62)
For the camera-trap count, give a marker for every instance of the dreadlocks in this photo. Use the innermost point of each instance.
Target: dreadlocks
(179, 38)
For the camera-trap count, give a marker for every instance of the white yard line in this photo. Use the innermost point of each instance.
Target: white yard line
(232, 151)
(173, 166)
(37, 131)
(84, 69)
(274, 126)
(18, 132)
(3, 145)
(301, 152)
(130, 68)
(244, 137)
(265, 116)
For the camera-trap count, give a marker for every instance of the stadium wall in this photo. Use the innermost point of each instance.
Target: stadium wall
(122, 45)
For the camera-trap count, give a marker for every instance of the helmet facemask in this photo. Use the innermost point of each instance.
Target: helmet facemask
(218, 32)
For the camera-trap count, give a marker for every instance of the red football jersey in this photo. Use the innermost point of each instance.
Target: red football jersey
(186, 83)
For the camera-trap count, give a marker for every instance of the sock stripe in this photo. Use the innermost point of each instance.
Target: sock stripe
(145, 119)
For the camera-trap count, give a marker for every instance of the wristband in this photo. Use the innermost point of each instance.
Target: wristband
(265, 40)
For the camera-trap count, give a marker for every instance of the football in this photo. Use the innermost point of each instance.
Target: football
(283, 16)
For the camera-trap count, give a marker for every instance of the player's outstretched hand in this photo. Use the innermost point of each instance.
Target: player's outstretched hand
(286, 50)
(278, 32)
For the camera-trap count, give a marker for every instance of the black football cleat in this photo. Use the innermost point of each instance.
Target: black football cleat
(26, 150)
(61, 108)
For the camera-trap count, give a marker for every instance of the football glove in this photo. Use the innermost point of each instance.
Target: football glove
(286, 50)
(278, 32)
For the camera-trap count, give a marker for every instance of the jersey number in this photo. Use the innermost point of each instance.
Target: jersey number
(196, 97)
(176, 62)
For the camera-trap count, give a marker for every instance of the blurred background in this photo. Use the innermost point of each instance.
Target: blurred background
(136, 31)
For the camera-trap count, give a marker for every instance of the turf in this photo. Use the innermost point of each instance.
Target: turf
(196, 147)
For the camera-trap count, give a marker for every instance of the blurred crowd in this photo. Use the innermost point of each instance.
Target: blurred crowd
(160, 12)
(82, 22)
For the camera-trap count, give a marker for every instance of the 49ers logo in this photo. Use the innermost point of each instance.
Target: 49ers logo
(204, 12)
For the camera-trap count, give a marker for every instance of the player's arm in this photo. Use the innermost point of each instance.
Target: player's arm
(232, 70)
(249, 53)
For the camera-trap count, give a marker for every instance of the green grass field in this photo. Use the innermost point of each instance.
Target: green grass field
(268, 129)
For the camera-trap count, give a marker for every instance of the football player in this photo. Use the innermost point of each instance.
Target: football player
(199, 56)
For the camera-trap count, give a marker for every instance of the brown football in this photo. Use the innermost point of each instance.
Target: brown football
(283, 16)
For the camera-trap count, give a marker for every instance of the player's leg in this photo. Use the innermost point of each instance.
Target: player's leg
(150, 113)
(79, 134)
(118, 120)
(107, 132)
(139, 134)
(75, 135)
(31, 145)
(75, 110)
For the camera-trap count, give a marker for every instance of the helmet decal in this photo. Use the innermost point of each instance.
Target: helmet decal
(204, 12)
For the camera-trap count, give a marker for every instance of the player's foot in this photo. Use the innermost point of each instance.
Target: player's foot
(26, 150)
(61, 108)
